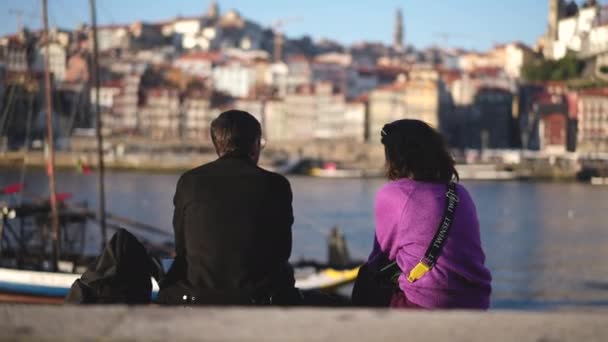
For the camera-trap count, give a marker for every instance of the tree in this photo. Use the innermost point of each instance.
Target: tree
(564, 69)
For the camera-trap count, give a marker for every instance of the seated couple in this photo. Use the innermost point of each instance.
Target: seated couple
(233, 223)
(233, 220)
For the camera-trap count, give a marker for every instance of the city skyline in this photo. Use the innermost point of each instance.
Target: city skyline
(472, 24)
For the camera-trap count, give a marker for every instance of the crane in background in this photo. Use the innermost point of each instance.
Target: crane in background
(277, 30)
(446, 37)
(18, 17)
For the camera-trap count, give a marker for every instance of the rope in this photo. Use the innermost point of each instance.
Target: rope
(10, 118)
(9, 103)
(28, 125)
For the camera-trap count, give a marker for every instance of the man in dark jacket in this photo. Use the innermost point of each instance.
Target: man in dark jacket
(232, 224)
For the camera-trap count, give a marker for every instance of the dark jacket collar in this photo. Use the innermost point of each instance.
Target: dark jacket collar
(236, 155)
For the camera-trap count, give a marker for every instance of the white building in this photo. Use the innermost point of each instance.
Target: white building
(585, 33)
(463, 90)
(598, 40)
(199, 64)
(276, 76)
(57, 60)
(113, 37)
(107, 92)
(510, 57)
(235, 78)
(516, 56)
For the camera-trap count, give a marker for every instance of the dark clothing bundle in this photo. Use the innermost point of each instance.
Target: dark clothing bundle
(121, 275)
(232, 225)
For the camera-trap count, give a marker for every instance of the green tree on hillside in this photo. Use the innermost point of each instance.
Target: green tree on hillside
(564, 69)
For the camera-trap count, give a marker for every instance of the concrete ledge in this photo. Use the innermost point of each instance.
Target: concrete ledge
(239, 324)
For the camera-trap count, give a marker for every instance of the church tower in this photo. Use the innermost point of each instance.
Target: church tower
(556, 10)
(214, 10)
(555, 14)
(398, 43)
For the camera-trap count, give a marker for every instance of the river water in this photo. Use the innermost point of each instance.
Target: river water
(546, 243)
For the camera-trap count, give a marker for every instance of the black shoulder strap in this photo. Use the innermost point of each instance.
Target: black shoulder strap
(434, 249)
(392, 270)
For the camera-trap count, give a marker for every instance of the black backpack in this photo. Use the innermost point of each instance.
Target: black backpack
(120, 275)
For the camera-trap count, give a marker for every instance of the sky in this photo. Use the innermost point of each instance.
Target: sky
(469, 24)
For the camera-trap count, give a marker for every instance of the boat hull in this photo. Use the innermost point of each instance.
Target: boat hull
(39, 287)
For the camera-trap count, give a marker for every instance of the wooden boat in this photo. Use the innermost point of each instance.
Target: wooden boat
(40, 287)
(27, 276)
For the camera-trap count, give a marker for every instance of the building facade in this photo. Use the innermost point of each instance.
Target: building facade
(161, 113)
(235, 78)
(197, 116)
(593, 121)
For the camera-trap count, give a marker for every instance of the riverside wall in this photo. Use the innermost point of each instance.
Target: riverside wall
(176, 155)
(63, 323)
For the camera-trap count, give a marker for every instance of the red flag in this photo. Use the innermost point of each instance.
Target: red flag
(12, 189)
(86, 169)
(62, 196)
(83, 168)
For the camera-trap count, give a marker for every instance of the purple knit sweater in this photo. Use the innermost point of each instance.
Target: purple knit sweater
(407, 215)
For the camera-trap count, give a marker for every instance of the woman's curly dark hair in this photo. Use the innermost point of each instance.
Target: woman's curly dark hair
(415, 150)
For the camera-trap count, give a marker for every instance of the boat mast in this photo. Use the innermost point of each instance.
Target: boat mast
(50, 161)
(98, 127)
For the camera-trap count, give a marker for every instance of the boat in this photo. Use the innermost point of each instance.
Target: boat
(44, 286)
(336, 170)
(40, 287)
(484, 172)
(599, 180)
(28, 271)
(335, 173)
(28, 276)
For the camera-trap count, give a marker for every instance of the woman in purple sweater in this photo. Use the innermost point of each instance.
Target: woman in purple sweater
(408, 212)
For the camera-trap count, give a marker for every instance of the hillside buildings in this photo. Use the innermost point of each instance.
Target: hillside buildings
(170, 79)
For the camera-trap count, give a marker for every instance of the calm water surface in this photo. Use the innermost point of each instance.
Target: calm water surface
(546, 243)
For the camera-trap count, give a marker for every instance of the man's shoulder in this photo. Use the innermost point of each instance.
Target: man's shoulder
(201, 169)
(198, 172)
(218, 167)
(275, 178)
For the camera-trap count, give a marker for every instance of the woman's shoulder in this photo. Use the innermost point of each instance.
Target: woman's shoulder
(399, 188)
(463, 192)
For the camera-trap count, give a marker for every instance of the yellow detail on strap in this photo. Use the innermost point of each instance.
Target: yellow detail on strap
(418, 271)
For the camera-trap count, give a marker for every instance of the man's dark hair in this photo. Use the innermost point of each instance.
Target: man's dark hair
(235, 131)
(417, 151)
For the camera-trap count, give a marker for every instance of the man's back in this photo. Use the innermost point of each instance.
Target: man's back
(232, 226)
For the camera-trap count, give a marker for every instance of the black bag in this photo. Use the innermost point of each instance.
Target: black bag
(120, 275)
(375, 284)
